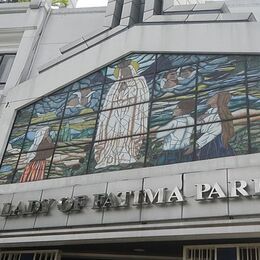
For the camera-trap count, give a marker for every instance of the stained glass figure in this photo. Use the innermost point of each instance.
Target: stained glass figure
(41, 136)
(135, 64)
(49, 108)
(213, 140)
(210, 103)
(127, 92)
(77, 130)
(83, 101)
(253, 68)
(221, 72)
(23, 116)
(70, 161)
(170, 146)
(177, 81)
(7, 168)
(126, 120)
(33, 166)
(118, 154)
(175, 112)
(122, 122)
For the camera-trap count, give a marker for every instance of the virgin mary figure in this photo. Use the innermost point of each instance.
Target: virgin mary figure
(125, 116)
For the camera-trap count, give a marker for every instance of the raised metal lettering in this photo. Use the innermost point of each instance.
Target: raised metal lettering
(202, 189)
(157, 198)
(175, 196)
(238, 189)
(216, 192)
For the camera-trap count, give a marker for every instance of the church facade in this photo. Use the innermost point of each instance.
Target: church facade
(132, 136)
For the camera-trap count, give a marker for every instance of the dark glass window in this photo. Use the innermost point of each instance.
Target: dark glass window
(6, 62)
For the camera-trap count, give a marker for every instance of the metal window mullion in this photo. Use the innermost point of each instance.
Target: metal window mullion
(56, 143)
(194, 155)
(151, 101)
(99, 111)
(22, 146)
(249, 149)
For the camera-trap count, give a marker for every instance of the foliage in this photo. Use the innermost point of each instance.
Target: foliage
(60, 3)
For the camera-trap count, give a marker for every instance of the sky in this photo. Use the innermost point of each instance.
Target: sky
(91, 3)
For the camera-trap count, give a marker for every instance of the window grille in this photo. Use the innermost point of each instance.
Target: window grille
(249, 253)
(30, 255)
(200, 254)
(243, 252)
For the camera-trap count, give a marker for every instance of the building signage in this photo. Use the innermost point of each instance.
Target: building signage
(126, 199)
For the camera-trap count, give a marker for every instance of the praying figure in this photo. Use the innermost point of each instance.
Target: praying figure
(125, 115)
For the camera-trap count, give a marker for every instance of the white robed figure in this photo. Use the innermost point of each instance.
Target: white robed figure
(125, 115)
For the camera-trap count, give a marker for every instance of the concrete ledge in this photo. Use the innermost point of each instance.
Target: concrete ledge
(245, 17)
(211, 6)
(202, 17)
(80, 45)
(181, 18)
(180, 8)
(72, 45)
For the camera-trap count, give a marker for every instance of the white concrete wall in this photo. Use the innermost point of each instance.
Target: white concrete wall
(178, 38)
(65, 26)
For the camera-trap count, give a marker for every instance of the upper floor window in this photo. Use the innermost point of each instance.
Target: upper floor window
(141, 111)
(6, 62)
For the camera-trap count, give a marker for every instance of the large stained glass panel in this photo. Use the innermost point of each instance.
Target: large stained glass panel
(83, 101)
(173, 112)
(49, 108)
(16, 140)
(255, 134)
(253, 68)
(7, 168)
(77, 130)
(23, 116)
(134, 65)
(118, 154)
(125, 121)
(254, 97)
(178, 81)
(231, 100)
(33, 166)
(142, 110)
(95, 79)
(41, 136)
(221, 72)
(171, 146)
(70, 161)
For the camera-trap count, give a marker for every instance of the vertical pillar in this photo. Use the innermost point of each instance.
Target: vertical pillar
(113, 13)
(152, 7)
(131, 12)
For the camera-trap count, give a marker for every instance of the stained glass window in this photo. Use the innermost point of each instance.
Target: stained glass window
(143, 110)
